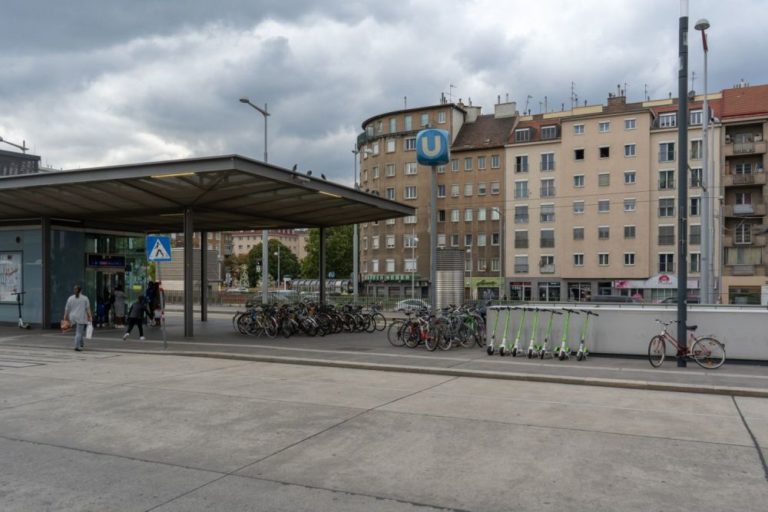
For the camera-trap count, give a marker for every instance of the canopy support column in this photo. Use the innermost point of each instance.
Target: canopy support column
(189, 276)
(45, 288)
(203, 276)
(321, 261)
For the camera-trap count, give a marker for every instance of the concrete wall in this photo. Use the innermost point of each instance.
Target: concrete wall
(627, 329)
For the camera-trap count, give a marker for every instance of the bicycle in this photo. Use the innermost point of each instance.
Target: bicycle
(706, 351)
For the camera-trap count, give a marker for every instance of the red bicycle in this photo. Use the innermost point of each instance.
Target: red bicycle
(708, 352)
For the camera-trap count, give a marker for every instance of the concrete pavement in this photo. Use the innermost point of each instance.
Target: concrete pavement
(103, 430)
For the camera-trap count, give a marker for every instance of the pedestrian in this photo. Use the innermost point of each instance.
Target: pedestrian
(119, 306)
(77, 312)
(156, 304)
(136, 317)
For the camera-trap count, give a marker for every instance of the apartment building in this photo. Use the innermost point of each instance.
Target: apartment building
(394, 254)
(294, 239)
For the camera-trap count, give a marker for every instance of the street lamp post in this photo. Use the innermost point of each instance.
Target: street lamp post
(23, 147)
(707, 221)
(264, 232)
(469, 253)
(414, 241)
(355, 241)
(501, 249)
(279, 283)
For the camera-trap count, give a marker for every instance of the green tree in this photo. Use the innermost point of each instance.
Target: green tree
(338, 252)
(289, 263)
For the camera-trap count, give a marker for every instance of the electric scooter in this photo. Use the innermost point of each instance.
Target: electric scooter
(565, 349)
(22, 324)
(503, 344)
(534, 332)
(491, 346)
(543, 348)
(519, 335)
(583, 350)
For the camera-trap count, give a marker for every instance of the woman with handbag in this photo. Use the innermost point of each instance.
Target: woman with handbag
(77, 312)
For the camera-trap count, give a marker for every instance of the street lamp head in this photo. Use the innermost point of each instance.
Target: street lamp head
(244, 100)
(702, 24)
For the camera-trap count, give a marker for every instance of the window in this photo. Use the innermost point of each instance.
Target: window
(694, 117)
(390, 241)
(578, 129)
(468, 164)
(481, 189)
(495, 188)
(547, 264)
(375, 171)
(578, 207)
(454, 240)
(481, 239)
(629, 259)
(390, 265)
(668, 120)
(696, 177)
(495, 162)
(495, 215)
(578, 233)
(629, 205)
(481, 265)
(630, 177)
(547, 238)
(410, 192)
(603, 179)
(390, 194)
(522, 135)
(392, 125)
(441, 191)
(578, 181)
(441, 239)
(521, 214)
(666, 151)
(441, 117)
(411, 241)
(374, 266)
(694, 234)
(743, 168)
(604, 126)
(605, 151)
(495, 237)
(548, 187)
(666, 235)
(411, 219)
(481, 162)
(408, 123)
(603, 205)
(467, 214)
(365, 243)
(666, 179)
(549, 132)
(547, 213)
(410, 168)
(743, 234)
(695, 206)
(481, 214)
(696, 150)
(375, 148)
(629, 150)
(391, 146)
(695, 262)
(521, 264)
(468, 240)
(667, 207)
(629, 232)
(468, 189)
(495, 266)
(578, 154)
(441, 169)
(410, 264)
(455, 215)
(521, 163)
(521, 239)
(578, 260)
(375, 242)
(454, 165)
(409, 144)
(390, 170)
(521, 189)
(424, 119)
(547, 161)
(603, 233)
(666, 262)
(455, 190)
(602, 259)
(630, 124)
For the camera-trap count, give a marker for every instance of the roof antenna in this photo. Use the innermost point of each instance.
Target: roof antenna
(405, 102)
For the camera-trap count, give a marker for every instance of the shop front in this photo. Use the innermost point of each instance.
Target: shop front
(657, 288)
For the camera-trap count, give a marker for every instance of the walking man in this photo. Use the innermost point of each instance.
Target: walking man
(78, 313)
(136, 316)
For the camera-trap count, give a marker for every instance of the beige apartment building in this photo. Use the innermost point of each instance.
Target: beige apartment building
(294, 239)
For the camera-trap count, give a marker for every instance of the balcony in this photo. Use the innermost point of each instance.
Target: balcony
(745, 148)
(521, 219)
(754, 241)
(521, 268)
(744, 270)
(547, 269)
(738, 180)
(744, 210)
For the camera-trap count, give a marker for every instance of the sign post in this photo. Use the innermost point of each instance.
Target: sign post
(159, 249)
(433, 149)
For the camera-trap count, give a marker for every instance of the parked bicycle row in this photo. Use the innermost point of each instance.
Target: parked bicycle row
(307, 318)
(458, 326)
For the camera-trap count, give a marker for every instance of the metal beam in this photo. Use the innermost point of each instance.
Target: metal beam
(188, 273)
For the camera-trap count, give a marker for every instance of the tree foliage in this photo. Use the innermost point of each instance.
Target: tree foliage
(338, 251)
(289, 263)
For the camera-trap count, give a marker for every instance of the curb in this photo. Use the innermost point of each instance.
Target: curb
(455, 372)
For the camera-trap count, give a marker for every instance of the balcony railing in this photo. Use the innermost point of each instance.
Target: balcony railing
(547, 269)
(521, 219)
(742, 210)
(757, 178)
(521, 168)
(547, 191)
(547, 166)
(521, 194)
(758, 147)
(521, 269)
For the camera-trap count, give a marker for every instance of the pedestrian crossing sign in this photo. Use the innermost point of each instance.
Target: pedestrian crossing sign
(158, 248)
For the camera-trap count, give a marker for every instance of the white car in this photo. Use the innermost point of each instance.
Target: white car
(409, 304)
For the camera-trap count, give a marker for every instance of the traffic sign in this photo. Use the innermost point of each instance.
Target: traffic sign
(432, 147)
(331, 275)
(158, 248)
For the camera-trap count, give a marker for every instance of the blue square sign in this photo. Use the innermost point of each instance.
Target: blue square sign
(433, 147)
(158, 248)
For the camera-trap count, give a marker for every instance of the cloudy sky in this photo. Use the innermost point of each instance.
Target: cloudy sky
(103, 82)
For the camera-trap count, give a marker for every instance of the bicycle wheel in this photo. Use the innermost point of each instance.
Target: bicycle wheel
(440, 332)
(656, 351)
(395, 333)
(708, 353)
(431, 341)
(380, 321)
(411, 334)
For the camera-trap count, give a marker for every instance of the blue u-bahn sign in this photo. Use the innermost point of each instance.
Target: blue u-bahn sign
(432, 147)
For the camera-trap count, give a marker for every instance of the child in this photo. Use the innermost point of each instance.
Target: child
(136, 317)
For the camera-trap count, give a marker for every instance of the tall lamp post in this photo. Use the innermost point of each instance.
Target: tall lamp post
(264, 232)
(23, 146)
(355, 241)
(469, 253)
(414, 241)
(682, 172)
(501, 249)
(707, 220)
(279, 284)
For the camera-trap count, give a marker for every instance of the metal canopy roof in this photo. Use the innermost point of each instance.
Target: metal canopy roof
(225, 193)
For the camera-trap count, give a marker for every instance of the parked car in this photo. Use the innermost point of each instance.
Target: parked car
(613, 299)
(407, 304)
(673, 300)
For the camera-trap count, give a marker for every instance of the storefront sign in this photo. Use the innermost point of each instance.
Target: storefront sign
(105, 262)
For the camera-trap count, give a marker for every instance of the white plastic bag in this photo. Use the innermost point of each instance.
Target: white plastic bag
(89, 331)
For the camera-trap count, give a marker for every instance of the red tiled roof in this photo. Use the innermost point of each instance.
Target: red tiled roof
(745, 101)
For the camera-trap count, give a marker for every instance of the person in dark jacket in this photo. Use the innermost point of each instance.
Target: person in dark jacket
(136, 316)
